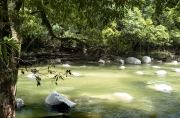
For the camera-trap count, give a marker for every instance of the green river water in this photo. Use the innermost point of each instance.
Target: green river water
(93, 92)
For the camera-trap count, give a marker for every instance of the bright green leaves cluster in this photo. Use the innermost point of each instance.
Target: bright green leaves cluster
(133, 25)
(143, 30)
(175, 35)
(7, 48)
(113, 40)
(31, 25)
(161, 34)
(173, 24)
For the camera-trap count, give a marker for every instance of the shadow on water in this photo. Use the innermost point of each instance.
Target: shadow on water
(166, 106)
(44, 111)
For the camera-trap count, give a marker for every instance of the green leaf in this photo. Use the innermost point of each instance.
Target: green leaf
(13, 45)
(4, 52)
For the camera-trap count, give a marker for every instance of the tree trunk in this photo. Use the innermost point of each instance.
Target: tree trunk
(7, 96)
(8, 79)
(8, 70)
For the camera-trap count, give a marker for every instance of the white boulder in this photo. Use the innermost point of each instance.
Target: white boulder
(101, 61)
(174, 62)
(132, 60)
(122, 67)
(55, 98)
(19, 103)
(57, 60)
(146, 59)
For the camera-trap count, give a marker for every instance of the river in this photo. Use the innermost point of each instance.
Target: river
(95, 90)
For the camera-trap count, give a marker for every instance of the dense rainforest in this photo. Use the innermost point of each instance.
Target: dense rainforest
(82, 27)
(144, 30)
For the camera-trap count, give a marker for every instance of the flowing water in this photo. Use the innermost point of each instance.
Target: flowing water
(94, 92)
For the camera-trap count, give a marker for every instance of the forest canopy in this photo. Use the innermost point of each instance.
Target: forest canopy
(121, 29)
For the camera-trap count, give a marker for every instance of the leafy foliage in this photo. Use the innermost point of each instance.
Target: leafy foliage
(113, 39)
(143, 30)
(8, 48)
(78, 19)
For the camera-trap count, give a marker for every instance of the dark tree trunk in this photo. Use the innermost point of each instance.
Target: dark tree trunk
(8, 70)
(147, 48)
(135, 47)
(7, 95)
(4, 27)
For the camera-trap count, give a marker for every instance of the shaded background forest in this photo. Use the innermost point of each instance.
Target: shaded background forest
(146, 30)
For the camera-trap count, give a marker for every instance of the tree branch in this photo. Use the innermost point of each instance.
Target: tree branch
(46, 22)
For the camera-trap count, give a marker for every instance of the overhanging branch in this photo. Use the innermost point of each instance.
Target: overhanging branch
(46, 22)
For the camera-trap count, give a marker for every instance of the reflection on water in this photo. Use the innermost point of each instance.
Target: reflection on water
(94, 92)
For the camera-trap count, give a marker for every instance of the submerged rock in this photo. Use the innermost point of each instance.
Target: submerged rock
(177, 70)
(139, 72)
(123, 96)
(161, 87)
(161, 72)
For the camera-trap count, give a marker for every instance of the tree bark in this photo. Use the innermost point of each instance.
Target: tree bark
(7, 95)
(8, 70)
